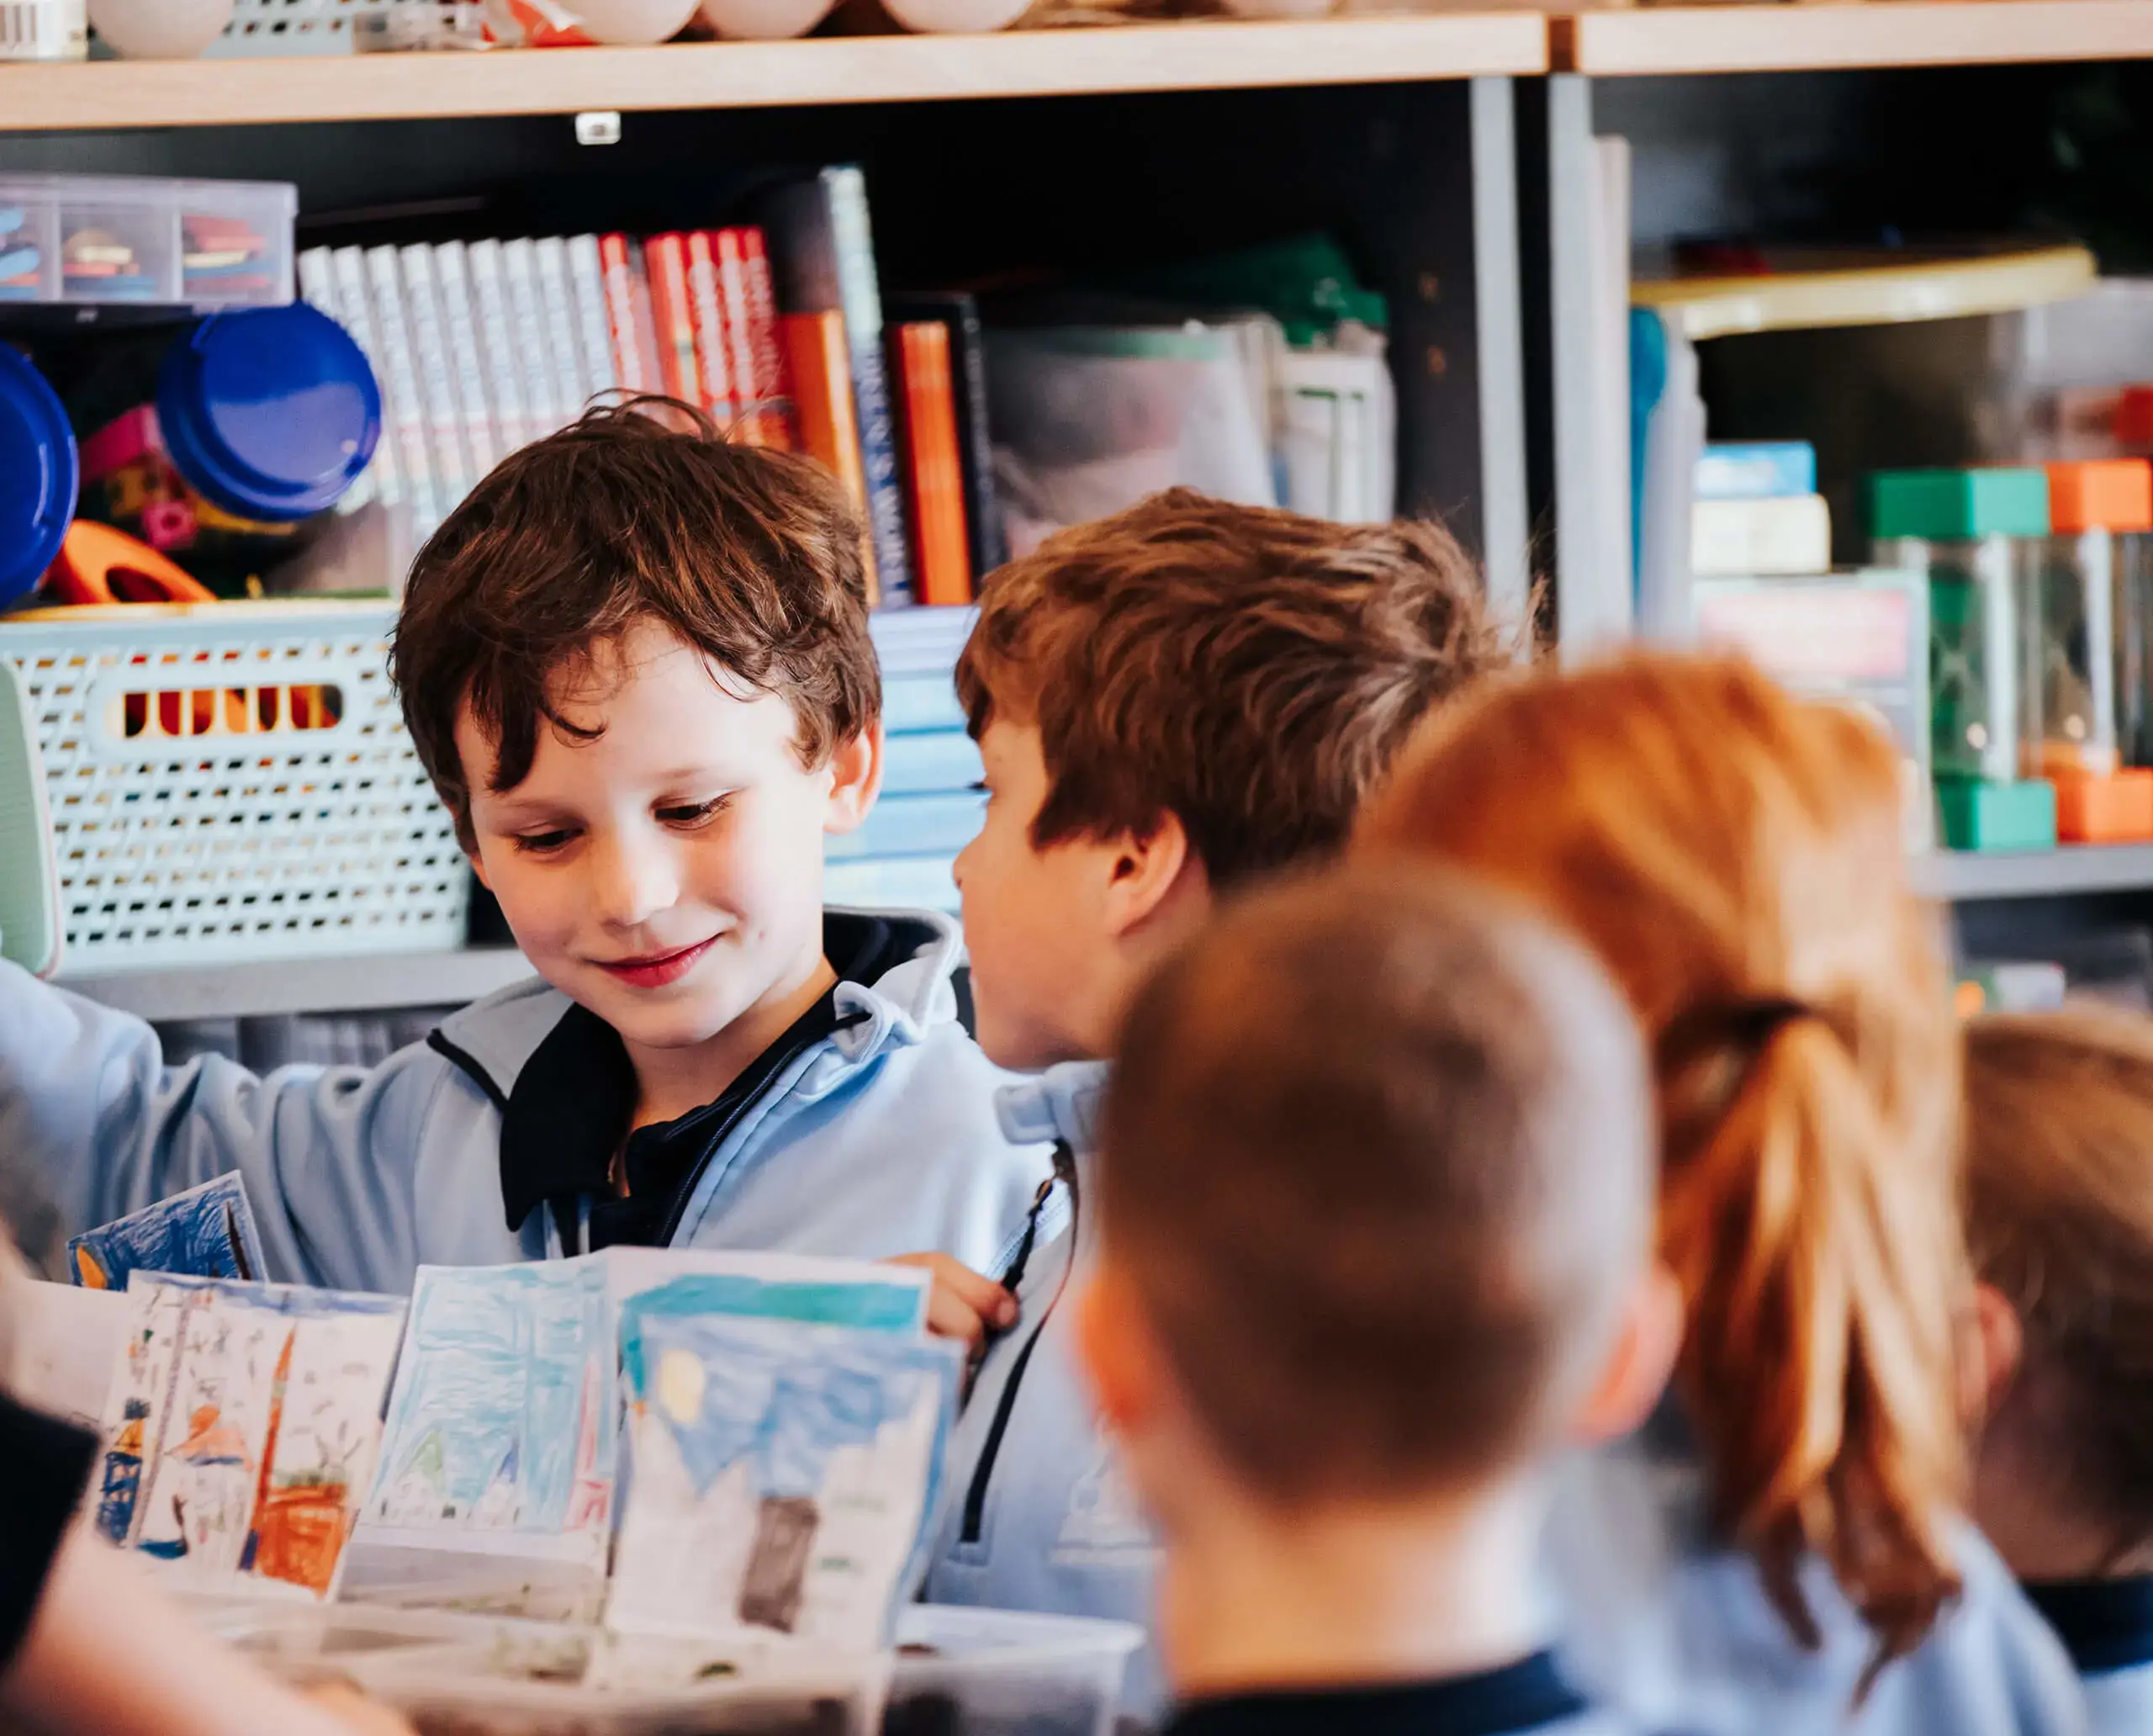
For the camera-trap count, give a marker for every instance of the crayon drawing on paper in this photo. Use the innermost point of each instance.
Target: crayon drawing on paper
(242, 1426)
(500, 1429)
(207, 1231)
(783, 1472)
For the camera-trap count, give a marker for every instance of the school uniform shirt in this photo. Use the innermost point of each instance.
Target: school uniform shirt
(46, 1463)
(866, 1130)
(1527, 1697)
(1040, 1515)
(1662, 1622)
(2106, 1626)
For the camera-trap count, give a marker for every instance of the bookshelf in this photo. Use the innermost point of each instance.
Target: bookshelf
(1623, 42)
(821, 70)
(359, 984)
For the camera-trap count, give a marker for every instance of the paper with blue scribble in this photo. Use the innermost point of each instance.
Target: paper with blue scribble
(207, 1231)
(241, 1428)
(784, 1475)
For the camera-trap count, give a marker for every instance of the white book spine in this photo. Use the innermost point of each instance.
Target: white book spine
(563, 324)
(383, 277)
(437, 378)
(317, 275)
(594, 332)
(497, 344)
(466, 361)
(550, 376)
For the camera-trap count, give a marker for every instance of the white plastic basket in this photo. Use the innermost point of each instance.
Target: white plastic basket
(231, 782)
(338, 27)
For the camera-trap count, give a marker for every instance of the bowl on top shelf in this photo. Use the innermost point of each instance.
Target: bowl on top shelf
(954, 17)
(622, 24)
(765, 20)
(159, 30)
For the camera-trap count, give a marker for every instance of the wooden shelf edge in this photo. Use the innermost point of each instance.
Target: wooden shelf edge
(117, 94)
(1632, 42)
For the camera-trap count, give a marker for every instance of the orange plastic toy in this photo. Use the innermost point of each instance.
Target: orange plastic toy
(99, 565)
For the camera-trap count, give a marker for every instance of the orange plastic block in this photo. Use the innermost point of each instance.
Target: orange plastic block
(2101, 494)
(2114, 809)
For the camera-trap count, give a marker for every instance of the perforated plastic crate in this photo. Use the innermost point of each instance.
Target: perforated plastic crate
(232, 782)
(335, 27)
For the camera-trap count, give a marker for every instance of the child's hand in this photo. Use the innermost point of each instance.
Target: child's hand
(355, 1713)
(964, 1305)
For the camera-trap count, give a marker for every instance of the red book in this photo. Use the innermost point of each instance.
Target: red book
(713, 352)
(665, 262)
(820, 366)
(934, 463)
(759, 347)
(627, 314)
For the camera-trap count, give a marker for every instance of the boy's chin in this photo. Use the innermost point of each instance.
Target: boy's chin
(653, 1021)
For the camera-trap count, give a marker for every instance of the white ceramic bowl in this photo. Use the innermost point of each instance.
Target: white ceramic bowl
(950, 18)
(159, 30)
(765, 20)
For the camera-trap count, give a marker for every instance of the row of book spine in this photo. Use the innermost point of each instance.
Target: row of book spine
(481, 346)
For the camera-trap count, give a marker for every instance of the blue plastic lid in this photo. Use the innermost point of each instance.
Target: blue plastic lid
(39, 474)
(271, 413)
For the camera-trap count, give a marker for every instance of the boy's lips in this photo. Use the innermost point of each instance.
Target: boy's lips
(654, 970)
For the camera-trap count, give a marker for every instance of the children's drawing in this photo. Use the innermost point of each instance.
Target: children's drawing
(502, 1429)
(242, 1426)
(207, 1231)
(784, 1474)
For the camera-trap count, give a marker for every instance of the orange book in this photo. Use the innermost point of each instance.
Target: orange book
(934, 471)
(665, 263)
(820, 362)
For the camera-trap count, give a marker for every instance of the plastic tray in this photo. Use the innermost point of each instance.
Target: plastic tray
(231, 782)
(979, 1672)
(116, 239)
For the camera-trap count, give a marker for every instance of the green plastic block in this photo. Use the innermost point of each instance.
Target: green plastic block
(1979, 816)
(1944, 506)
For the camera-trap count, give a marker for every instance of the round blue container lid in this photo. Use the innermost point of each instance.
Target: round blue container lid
(271, 413)
(39, 475)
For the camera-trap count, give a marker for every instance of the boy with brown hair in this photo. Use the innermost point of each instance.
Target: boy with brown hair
(636, 664)
(1169, 703)
(1377, 1193)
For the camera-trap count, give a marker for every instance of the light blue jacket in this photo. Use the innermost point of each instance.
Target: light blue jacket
(1040, 1516)
(1675, 1630)
(879, 1140)
(2106, 1626)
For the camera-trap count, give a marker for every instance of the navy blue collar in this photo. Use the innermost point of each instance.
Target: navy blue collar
(2104, 1624)
(1528, 1695)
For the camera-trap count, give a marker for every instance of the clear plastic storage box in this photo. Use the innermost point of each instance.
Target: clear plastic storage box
(115, 240)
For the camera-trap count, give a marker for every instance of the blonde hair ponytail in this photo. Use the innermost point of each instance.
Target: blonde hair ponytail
(1735, 856)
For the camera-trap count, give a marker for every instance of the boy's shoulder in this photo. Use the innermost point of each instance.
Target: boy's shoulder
(492, 1041)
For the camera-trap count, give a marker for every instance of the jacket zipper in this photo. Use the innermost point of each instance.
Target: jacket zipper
(1064, 1171)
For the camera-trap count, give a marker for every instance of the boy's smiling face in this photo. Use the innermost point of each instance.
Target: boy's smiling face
(662, 862)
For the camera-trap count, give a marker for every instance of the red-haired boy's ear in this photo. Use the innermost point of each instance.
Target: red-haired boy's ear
(1991, 1345)
(1640, 1362)
(855, 771)
(1150, 872)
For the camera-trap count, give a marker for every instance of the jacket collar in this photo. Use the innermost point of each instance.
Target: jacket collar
(494, 1039)
(1059, 1106)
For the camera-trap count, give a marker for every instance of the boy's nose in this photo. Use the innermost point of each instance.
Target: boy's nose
(632, 883)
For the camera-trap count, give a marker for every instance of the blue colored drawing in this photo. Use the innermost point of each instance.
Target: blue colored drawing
(502, 1420)
(784, 1473)
(207, 1231)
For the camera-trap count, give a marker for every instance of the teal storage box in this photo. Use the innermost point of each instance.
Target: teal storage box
(1978, 816)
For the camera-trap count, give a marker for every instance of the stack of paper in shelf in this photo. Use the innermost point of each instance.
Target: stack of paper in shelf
(1757, 513)
(932, 806)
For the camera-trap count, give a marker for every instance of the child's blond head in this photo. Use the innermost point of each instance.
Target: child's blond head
(1377, 1162)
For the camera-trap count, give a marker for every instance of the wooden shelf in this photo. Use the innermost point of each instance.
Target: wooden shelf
(1617, 43)
(1962, 875)
(361, 984)
(763, 75)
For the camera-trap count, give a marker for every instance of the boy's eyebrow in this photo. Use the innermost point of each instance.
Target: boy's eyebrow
(519, 800)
